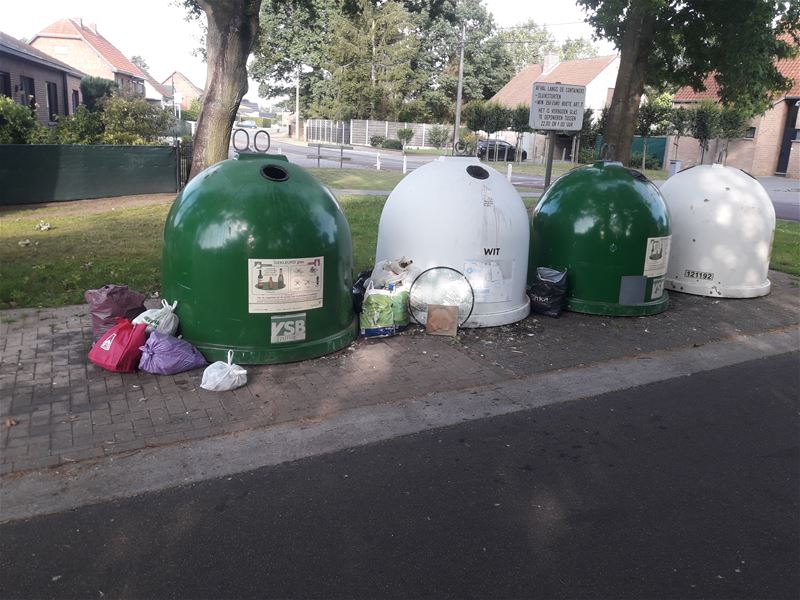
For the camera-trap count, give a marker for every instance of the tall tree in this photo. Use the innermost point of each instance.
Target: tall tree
(576, 48)
(527, 43)
(140, 62)
(653, 119)
(232, 30)
(680, 43)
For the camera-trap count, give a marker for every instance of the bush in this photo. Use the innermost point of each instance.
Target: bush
(191, 113)
(586, 155)
(392, 144)
(404, 136)
(17, 123)
(439, 136)
(82, 127)
(376, 140)
(651, 162)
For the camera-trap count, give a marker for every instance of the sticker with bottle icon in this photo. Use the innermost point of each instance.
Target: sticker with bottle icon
(278, 285)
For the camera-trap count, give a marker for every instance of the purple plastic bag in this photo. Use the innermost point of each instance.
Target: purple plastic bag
(110, 302)
(164, 354)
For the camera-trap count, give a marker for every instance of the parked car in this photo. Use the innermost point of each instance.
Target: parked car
(503, 150)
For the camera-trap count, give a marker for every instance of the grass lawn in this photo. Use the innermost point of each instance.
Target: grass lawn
(560, 168)
(786, 248)
(88, 248)
(358, 179)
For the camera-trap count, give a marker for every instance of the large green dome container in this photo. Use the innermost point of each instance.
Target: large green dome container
(258, 254)
(609, 227)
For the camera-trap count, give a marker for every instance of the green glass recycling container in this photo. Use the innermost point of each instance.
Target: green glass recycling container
(259, 256)
(609, 228)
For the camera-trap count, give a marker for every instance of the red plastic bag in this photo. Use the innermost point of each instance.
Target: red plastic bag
(118, 349)
(110, 302)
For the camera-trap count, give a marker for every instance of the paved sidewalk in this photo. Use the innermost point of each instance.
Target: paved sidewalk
(57, 408)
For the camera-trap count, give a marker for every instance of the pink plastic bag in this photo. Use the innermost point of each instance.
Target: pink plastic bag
(118, 348)
(111, 302)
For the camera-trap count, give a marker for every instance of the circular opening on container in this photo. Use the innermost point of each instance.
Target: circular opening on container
(274, 173)
(477, 172)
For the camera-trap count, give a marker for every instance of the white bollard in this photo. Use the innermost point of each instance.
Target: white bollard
(378, 162)
(279, 150)
(508, 173)
(405, 165)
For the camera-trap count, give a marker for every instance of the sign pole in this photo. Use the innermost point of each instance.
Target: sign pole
(548, 169)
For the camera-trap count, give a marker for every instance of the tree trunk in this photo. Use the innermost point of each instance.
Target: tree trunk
(232, 28)
(629, 87)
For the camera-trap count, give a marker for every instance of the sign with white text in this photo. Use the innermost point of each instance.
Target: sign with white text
(557, 106)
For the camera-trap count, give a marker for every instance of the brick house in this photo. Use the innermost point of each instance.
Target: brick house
(598, 74)
(771, 145)
(185, 90)
(84, 48)
(31, 77)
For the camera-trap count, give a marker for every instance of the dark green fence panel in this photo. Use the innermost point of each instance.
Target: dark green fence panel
(47, 173)
(656, 146)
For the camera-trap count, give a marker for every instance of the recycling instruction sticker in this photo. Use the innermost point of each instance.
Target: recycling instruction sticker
(278, 285)
(656, 256)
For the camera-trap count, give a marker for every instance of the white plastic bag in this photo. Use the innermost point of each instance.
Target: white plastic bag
(387, 272)
(161, 319)
(221, 376)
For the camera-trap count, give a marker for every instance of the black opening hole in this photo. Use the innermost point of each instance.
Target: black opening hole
(274, 173)
(477, 172)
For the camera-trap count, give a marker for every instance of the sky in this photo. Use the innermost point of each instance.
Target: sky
(158, 31)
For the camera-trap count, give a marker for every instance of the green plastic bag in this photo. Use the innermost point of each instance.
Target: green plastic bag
(377, 314)
(400, 308)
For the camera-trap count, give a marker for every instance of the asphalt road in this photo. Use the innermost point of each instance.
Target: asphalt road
(683, 489)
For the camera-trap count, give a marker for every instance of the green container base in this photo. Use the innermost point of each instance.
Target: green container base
(282, 353)
(618, 310)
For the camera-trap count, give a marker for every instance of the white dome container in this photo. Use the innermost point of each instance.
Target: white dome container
(458, 213)
(723, 223)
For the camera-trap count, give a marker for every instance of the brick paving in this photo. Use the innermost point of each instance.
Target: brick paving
(56, 407)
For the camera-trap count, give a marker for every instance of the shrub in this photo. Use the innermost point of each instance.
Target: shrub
(191, 113)
(17, 123)
(133, 121)
(651, 162)
(82, 127)
(586, 155)
(439, 136)
(404, 136)
(94, 89)
(392, 144)
(376, 140)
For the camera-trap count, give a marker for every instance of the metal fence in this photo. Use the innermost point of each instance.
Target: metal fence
(183, 163)
(325, 130)
(359, 132)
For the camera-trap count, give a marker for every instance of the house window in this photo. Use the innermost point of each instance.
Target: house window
(76, 100)
(750, 133)
(5, 84)
(52, 100)
(27, 92)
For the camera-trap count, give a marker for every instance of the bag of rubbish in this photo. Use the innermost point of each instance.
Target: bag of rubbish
(377, 313)
(548, 291)
(391, 271)
(162, 319)
(400, 311)
(359, 287)
(223, 376)
(110, 302)
(119, 348)
(164, 354)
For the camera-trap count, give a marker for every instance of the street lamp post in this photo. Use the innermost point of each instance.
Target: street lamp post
(460, 87)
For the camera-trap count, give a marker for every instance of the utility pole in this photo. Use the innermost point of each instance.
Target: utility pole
(297, 104)
(460, 86)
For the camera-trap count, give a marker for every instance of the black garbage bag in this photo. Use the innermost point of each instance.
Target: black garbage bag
(111, 302)
(359, 289)
(548, 291)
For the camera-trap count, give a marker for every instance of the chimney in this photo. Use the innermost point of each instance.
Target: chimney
(93, 27)
(551, 60)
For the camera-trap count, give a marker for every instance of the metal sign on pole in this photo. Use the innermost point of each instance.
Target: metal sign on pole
(556, 107)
